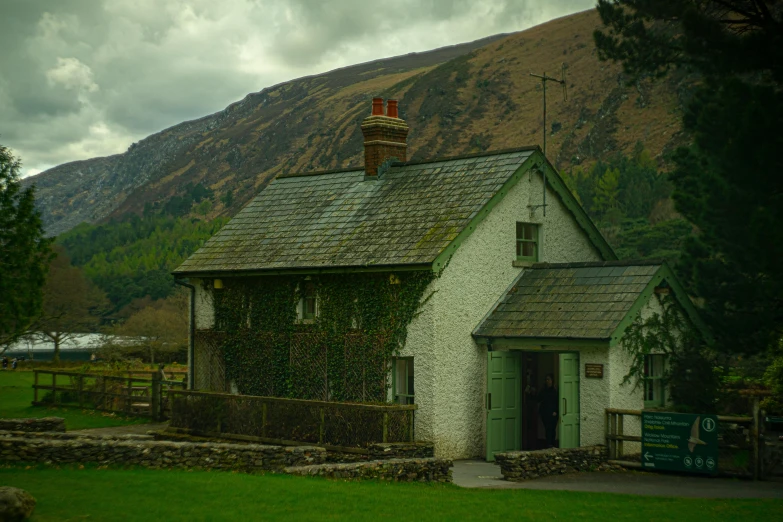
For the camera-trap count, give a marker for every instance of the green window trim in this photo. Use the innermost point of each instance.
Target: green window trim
(527, 247)
(402, 380)
(654, 389)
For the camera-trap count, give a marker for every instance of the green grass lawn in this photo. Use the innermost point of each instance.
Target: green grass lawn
(127, 495)
(16, 394)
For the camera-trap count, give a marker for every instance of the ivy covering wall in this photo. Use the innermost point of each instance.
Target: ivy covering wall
(343, 354)
(691, 373)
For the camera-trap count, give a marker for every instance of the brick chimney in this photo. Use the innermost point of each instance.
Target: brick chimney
(384, 136)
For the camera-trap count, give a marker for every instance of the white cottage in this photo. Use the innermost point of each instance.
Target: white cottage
(522, 285)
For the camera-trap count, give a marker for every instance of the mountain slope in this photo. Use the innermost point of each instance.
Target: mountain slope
(466, 98)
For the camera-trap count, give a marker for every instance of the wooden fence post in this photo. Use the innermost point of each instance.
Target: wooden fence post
(129, 401)
(156, 396)
(103, 397)
(412, 434)
(620, 433)
(322, 428)
(263, 419)
(385, 426)
(54, 388)
(81, 390)
(35, 388)
(757, 442)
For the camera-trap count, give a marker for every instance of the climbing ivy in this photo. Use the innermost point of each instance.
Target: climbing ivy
(691, 371)
(343, 354)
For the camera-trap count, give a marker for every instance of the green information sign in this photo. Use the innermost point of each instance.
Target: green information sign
(680, 442)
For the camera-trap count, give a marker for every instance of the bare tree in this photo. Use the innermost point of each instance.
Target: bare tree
(160, 327)
(71, 304)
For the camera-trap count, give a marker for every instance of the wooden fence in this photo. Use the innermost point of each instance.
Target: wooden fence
(740, 444)
(291, 421)
(129, 395)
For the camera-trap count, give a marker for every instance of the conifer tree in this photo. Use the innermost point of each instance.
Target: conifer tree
(24, 253)
(729, 181)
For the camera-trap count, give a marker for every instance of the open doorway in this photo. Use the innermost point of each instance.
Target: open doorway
(515, 379)
(536, 366)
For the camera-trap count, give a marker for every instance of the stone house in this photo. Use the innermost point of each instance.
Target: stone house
(517, 283)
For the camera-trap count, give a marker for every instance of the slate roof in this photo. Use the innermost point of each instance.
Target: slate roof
(569, 300)
(337, 219)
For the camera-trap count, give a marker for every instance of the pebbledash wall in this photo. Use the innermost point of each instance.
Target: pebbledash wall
(450, 369)
(629, 395)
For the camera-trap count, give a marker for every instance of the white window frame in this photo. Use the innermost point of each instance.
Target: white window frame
(403, 380)
(654, 389)
(300, 306)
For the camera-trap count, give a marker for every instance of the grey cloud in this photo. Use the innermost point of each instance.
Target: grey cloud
(88, 77)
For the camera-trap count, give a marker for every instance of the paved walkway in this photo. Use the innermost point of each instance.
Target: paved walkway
(134, 429)
(480, 474)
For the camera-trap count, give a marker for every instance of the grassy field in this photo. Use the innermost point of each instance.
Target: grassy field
(16, 394)
(127, 495)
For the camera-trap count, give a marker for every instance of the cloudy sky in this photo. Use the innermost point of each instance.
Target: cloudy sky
(86, 78)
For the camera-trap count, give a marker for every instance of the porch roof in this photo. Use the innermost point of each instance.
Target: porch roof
(571, 300)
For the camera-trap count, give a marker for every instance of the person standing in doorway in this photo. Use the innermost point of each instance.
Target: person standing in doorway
(547, 409)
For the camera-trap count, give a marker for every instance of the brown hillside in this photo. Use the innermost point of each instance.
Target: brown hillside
(462, 99)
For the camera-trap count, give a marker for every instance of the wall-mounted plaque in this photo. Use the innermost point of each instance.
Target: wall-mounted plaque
(594, 371)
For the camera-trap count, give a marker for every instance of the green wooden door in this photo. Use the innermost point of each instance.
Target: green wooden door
(569, 400)
(503, 404)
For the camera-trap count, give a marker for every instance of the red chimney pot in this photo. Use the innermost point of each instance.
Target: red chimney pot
(377, 106)
(391, 109)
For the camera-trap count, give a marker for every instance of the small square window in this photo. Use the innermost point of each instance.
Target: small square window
(402, 376)
(654, 395)
(527, 242)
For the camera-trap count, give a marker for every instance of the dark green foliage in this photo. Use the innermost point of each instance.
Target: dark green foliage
(691, 373)
(24, 252)
(344, 354)
(638, 239)
(181, 205)
(713, 37)
(729, 185)
(694, 379)
(728, 182)
(134, 257)
(620, 195)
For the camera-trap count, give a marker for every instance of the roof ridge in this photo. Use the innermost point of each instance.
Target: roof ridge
(467, 156)
(598, 264)
(406, 163)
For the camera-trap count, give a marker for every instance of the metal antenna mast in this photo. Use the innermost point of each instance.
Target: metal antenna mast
(561, 81)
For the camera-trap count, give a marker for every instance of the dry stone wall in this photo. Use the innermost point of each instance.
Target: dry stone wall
(33, 425)
(518, 466)
(145, 451)
(154, 454)
(397, 470)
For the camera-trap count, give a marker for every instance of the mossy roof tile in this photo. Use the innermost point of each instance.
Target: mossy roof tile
(566, 301)
(339, 219)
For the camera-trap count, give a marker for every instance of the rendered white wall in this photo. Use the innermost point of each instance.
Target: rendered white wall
(593, 396)
(629, 395)
(452, 390)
